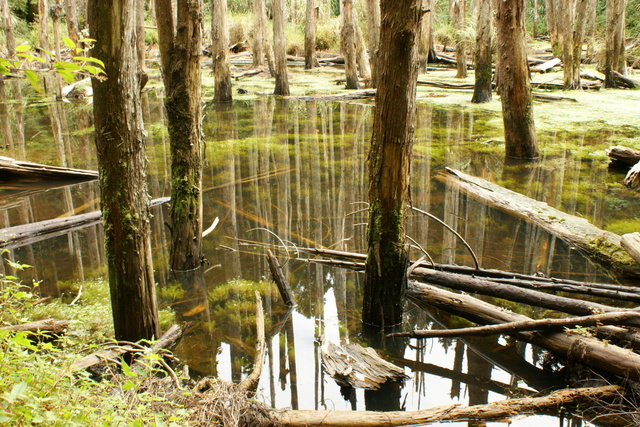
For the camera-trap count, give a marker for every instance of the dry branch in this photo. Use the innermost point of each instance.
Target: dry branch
(555, 403)
(281, 282)
(11, 169)
(251, 382)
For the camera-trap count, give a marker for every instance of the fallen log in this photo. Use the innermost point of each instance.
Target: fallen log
(622, 157)
(247, 73)
(632, 180)
(53, 326)
(600, 245)
(617, 318)
(281, 282)
(12, 169)
(12, 237)
(623, 81)
(546, 66)
(557, 403)
(573, 347)
(354, 94)
(630, 242)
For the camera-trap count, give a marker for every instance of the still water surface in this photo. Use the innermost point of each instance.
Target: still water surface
(296, 170)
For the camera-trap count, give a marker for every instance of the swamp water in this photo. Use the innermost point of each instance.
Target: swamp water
(287, 172)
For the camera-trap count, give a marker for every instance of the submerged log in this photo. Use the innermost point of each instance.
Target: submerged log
(12, 237)
(11, 169)
(622, 157)
(632, 180)
(352, 365)
(573, 347)
(589, 239)
(556, 403)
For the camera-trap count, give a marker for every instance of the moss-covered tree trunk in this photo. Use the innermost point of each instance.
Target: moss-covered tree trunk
(311, 18)
(615, 40)
(348, 43)
(458, 12)
(373, 36)
(390, 163)
(221, 60)
(119, 136)
(575, 18)
(484, 65)
(180, 50)
(280, 49)
(514, 81)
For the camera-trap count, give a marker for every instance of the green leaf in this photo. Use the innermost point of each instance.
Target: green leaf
(94, 71)
(33, 79)
(23, 48)
(128, 385)
(68, 76)
(22, 340)
(69, 43)
(91, 59)
(17, 391)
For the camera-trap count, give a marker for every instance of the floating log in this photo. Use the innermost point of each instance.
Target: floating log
(12, 170)
(546, 66)
(632, 180)
(281, 282)
(631, 243)
(600, 245)
(576, 348)
(12, 237)
(557, 403)
(352, 365)
(53, 326)
(622, 157)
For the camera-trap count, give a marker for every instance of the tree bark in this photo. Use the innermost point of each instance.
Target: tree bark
(220, 52)
(632, 180)
(575, 15)
(140, 32)
(373, 37)
(390, 163)
(7, 25)
(72, 20)
(622, 157)
(348, 35)
(180, 50)
(259, 29)
(553, 9)
(458, 13)
(279, 49)
(119, 135)
(615, 40)
(362, 57)
(310, 57)
(630, 242)
(514, 82)
(484, 65)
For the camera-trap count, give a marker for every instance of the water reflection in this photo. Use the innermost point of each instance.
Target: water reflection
(292, 172)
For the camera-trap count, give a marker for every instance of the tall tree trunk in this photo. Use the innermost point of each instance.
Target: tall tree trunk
(119, 134)
(43, 27)
(72, 20)
(220, 51)
(426, 48)
(614, 47)
(8, 29)
(180, 50)
(310, 58)
(590, 29)
(535, 19)
(575, 19)
(280, 49)
(373, 36)
(390, 163)
(458, 13)
(483, 74)
(553, 9)
(259, 28)
(362, 57)
(140, 44)
(348, 35)
(514, 81)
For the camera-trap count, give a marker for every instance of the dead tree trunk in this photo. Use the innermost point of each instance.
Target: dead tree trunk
(373, 37)
(514, 82)
(311, 16)
(280, 49)
(390, 163)
(220, 52)
(484, 65)
(348, 35)
(458, 12)
(575, 15)
(259, 29)
(615, 40)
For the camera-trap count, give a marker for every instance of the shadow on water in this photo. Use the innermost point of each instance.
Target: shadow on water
(293, 173)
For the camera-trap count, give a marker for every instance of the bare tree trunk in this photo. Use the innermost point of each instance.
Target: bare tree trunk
(119, 134)
(362, 57)
(279, 49)
(458, 12)
(484, 65)
(259, 28)
(43, 27)
(310, 58)
(348, 35)
(373, 36)
(220, 52)
(390, 163)
(140, 44)
(426, 49)
(514, 81)
(553, 9)
(575, 15)
(8, 28)
(72, 20)
(535, 19)
(181, 49)
(614, 48)
(590, 29)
